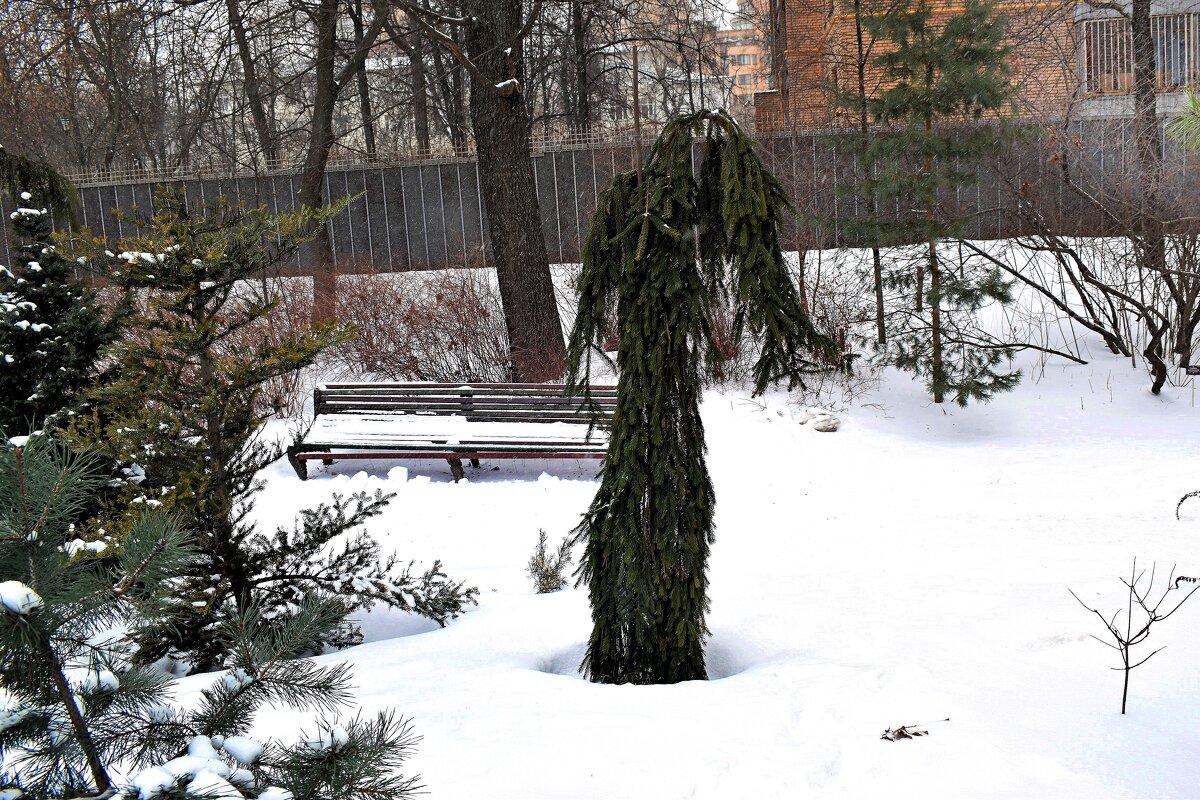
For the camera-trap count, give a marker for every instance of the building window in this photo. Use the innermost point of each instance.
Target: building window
(744, 80)
(745, 59)
(1108, 53)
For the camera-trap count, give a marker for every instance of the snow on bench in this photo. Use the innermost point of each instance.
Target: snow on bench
(453, 421)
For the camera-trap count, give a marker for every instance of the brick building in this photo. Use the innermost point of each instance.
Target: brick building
(1069, 60)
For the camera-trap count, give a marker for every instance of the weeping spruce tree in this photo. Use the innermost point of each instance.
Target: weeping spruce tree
(670, 247)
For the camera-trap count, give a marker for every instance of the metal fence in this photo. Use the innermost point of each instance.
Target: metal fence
(429, 215)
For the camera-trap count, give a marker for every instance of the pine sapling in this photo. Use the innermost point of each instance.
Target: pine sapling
(77, 713)
(548, 569)
(187, 412)
(944, 76)
(1140, 603)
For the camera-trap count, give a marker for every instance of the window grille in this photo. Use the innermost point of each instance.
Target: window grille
(1108, 53)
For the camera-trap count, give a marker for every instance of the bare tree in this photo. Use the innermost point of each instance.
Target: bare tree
(329, 82)
(1126, 637)
(493, 38)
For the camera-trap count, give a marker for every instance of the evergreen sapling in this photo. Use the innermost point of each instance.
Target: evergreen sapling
(78, 713)
(187, 416)
(52, 328)
(548, 569)
(944, 78)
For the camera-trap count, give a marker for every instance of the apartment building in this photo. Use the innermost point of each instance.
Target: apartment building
(744, 58)
(1070, 60)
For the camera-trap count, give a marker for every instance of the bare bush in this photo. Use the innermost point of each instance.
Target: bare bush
(831, 291)
(1128, 635)
(291, 314)
(1134, 280)
(437, 326)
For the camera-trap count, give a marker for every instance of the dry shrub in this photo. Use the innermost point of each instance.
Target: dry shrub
(735, 357)
(440, 326)
(290, 316)
(285, 395)
(832, 295)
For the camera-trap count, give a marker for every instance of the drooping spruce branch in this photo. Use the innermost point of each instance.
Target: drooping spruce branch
(670, 246)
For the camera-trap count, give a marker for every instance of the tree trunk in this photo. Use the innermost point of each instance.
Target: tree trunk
(364, 89)
(66, 696)
(449, 95)
(1145, 112)
(502, 138)
(254, 95)
(1149, 224)
(868, 167)
(317, 158)
(328, 84)
(938, 369)
(420, 93)
(935, 325)
(582, 113)
(413, 46)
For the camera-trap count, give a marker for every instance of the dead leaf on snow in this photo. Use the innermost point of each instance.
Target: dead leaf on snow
(902, 732)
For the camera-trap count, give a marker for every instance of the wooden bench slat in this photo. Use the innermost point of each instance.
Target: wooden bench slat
(571, 419)
(419, 386)
(448, 402)
(334, 392)
(498, 446)
(441, 454)
(462, 418)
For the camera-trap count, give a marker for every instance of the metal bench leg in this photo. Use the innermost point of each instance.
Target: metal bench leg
(456, 468)
(298, 465)
(475, 463)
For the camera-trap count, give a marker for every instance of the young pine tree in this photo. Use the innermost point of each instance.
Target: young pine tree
(61, 725)
(77, 713)
(667, 248)
(186, 416)
(944, 78)
(52, 327)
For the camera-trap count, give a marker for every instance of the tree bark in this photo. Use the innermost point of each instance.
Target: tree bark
(413, 46)
(868, 166)
(582, 116)
(1149, 224)
(938, 369)
(66, 696)
(935, 324)
(328, 84)
(448, 78)
(502, 128)
(316, 159)
(1144, 100)
(420, 92)
(364, 89)
(254, 94)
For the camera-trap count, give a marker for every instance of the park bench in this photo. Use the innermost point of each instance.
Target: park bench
(453, 421)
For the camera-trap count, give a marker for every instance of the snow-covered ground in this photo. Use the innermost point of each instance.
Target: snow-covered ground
(910, 568)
